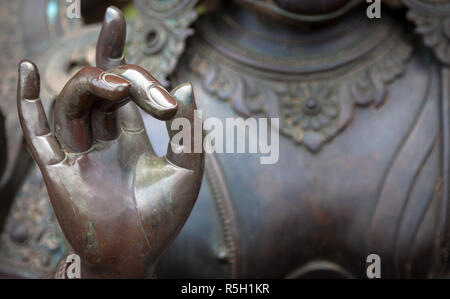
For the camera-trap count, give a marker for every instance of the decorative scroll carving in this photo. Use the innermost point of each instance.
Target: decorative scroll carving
(432, 19)
(165, 9)
(158, 34)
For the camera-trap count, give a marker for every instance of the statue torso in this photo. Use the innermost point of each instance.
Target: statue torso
(361, 176)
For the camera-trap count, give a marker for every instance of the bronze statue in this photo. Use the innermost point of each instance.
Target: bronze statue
(363, 166)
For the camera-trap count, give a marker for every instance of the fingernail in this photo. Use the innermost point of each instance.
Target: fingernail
(183, 93)
(162, 97)
(29, 80)
(115, 81)
(112, 14)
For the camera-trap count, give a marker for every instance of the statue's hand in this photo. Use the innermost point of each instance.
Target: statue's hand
(118, 204)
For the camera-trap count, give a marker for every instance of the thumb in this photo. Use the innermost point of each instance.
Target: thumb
(187, 151)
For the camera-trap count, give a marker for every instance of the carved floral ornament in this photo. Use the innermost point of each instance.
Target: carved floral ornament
(311, 111)
(432, 20)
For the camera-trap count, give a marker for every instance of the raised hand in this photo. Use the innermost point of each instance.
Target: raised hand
(118, 204)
